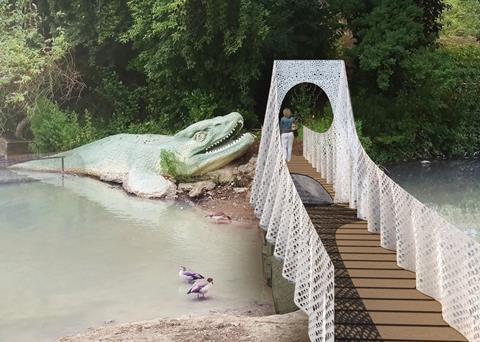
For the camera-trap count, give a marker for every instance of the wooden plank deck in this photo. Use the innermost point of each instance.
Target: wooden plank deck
(375, 300)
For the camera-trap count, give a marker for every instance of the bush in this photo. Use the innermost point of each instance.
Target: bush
(120, 124)
(434, 115)
(88, 131)
(207, 58)
(31, 65)
(322, 123)
(56, 130)
(462, 18)
(304, 101)
(117, 98)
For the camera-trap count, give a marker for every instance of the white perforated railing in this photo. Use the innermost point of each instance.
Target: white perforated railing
(446, 261)
(282, 214)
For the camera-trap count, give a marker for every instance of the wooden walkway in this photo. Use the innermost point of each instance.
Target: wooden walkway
(374, 298)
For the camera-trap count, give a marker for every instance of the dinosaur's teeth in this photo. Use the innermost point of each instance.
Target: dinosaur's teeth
(214, 148)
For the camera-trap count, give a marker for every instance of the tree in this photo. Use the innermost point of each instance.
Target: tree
(93, 28)
(32, 65)
(387, 32)
(436, 114)
(462, 18)
(204, 58)
(199, 57)
(173, 62)
(303, 29)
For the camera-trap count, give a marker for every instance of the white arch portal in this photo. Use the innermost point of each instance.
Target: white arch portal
(331, 77)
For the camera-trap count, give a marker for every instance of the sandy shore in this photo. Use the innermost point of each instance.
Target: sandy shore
(215, 328)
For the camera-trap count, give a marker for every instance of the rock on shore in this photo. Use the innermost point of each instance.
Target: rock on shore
(234, 176)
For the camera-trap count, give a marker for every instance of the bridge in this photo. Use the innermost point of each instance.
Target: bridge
(378, 264)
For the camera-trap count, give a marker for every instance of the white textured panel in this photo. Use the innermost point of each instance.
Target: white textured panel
(447, 262)
(279, 207)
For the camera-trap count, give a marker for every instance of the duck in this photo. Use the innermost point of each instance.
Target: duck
(188, 276)
(201, 287)
(219, 217)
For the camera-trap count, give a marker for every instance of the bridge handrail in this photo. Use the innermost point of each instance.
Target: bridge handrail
(445, 259)
(288, 225)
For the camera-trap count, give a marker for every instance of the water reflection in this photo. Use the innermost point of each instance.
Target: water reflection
(452, 187)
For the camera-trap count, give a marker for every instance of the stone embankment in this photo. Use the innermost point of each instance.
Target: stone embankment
(237, 177)
(225, 190)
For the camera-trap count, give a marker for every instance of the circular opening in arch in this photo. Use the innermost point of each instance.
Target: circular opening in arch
(310, 107)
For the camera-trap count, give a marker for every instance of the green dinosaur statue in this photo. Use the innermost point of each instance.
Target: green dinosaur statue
(134, 160)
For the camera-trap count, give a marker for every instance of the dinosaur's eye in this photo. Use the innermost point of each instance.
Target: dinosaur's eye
(200, 136)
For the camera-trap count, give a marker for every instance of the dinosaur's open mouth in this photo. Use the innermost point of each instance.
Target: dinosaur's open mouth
(228, 140)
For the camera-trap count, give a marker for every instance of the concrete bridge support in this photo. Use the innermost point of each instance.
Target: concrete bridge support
(283, 291)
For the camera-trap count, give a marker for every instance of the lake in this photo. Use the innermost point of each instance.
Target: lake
(452, 187)
(76, 253)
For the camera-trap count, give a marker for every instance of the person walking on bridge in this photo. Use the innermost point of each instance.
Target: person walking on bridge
(287, 127)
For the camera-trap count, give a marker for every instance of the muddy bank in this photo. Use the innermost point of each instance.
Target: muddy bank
(232, 196)
(215, 328)
(225, 190)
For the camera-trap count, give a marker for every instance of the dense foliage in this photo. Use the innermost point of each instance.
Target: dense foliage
(157, 65)
(93, 28)
(56, 130)
(413, 94)
(200, 57)
(386, 32)
(207, 58)
(462, 18)
(29, 64)
(436, 114)
(171, 62)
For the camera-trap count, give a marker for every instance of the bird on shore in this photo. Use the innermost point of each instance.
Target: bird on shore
(201, 287)
(219, 217)
(188, 276)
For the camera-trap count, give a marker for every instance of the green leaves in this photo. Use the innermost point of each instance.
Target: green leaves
(28, 60)
(191, 51)
(388, 34)
(214, 55)
(435, 114)
(56, 130)
(177, 60)
(462, 18)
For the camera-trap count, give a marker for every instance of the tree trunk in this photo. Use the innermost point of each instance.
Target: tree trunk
(20, 130)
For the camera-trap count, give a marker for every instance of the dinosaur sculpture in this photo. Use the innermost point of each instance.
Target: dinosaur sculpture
(134, 160)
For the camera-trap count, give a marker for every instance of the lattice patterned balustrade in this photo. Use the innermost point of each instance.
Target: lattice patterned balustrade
(446, 261)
